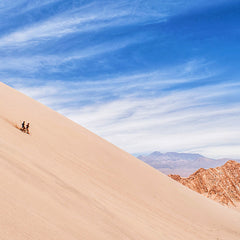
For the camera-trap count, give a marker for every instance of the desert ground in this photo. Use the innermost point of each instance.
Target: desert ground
(63, 182)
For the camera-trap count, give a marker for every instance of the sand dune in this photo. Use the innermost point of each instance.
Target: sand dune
(64, 182)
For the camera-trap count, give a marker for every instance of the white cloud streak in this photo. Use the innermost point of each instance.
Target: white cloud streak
(184, 121)
(84, 19)
(52, 63)
(190, 120)
(130, 85)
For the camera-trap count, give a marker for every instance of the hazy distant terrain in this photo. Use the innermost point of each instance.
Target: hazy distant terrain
(182, 164)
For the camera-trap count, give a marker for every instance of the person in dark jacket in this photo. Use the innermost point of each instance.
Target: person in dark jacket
(23, 126)
(27, 128)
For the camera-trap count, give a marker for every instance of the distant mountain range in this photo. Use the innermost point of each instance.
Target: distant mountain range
(182, 164)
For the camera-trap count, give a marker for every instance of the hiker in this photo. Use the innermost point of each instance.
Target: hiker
(23, 126)
(27, 128)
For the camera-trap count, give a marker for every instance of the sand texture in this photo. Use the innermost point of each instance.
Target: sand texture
(63, 182)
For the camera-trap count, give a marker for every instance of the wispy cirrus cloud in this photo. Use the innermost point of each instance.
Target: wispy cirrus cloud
(86, 18)
(139, 84)
(186, 120)
(83, 19)
(183, 120)
(149, 111)
(55, 63)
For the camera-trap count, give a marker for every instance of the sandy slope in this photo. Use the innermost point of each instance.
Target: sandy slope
(64, 182)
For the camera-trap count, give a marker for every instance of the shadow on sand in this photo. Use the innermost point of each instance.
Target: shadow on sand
(15, 125)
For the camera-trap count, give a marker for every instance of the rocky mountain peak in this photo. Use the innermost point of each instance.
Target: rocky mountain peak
(221, 184)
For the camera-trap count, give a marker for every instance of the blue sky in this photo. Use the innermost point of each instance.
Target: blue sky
(145, 75)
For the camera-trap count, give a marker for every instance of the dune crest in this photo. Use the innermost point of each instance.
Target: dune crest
(64, 182)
